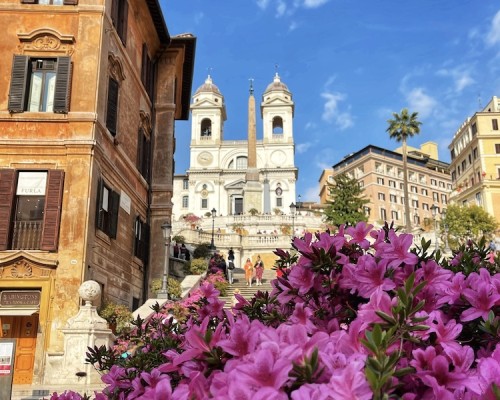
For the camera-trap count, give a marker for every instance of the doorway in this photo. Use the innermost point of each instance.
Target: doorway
(24, 329)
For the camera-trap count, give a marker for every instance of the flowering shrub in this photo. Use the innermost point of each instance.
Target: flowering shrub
(351, 318)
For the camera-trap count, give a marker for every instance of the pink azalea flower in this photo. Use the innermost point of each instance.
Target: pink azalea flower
(350, 384)
(302, 278)
(302, 316)
(359, 233)
(445, 332)
(481, 301)
(397, 251)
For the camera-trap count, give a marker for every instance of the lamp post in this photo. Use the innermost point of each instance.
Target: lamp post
(292, 213)
(434, 210)
(167, 230)
(447, 249)
(214, 213)
(299, 204)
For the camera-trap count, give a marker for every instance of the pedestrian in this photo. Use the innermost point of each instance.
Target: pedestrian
(493, 246)
(185, 253)
(223, 266)
(235, 300)
(176, 250)
(259, 270)
(248, 272)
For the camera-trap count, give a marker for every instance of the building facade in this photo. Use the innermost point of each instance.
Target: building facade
(475, 160)
(235, 177)
(87, 111)
(380, 172)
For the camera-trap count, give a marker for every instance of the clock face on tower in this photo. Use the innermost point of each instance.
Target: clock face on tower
(205, 158)
(278, 157)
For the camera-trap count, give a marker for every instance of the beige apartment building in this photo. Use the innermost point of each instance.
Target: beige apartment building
(475, 160)
(380, 172)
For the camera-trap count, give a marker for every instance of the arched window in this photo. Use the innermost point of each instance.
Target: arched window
(206, 127)
(241, 162)
(277, 126)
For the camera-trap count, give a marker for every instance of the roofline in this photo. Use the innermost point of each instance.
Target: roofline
(159, 21)
(394, 154)
(189, 43)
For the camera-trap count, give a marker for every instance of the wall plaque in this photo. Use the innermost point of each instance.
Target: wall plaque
(20, 298)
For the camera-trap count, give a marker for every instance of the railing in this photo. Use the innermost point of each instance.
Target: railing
(26, 235)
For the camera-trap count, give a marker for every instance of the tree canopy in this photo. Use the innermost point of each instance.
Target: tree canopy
(347, 204)
(468, 221)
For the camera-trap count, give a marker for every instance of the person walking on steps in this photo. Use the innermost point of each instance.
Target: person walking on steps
(248, 272)
(259, 270)
(230, 265)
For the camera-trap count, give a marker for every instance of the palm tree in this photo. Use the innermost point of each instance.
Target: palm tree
(402, 127)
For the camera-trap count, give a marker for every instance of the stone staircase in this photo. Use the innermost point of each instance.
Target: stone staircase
(247, 291)
(43, 392)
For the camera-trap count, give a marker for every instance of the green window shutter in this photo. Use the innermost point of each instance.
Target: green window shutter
(7, 190)
(63, 85)
(112, 109)
(18, 84)
(52, 212)
(114, 205)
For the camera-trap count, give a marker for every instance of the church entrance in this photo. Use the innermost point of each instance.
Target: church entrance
(238, 205)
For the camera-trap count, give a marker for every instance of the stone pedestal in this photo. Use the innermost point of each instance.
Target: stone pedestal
(86, 329)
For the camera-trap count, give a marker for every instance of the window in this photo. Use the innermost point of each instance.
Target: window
(442, 184)
(464, 165)
(402, 200)
(241, 162)
(425, 206)
(112, 110)
(141, 233)
(474, 128)
(394, 215)
(494, 124)
(30, 210)
(108, 203)
(383, 214)
(40, 84)
(414, 203)
(424, 192)
(414, 189)
(474, 153)
(52, 2)
(497, 148)
(143, 154)
(393, 198)
(452, 154)
(435, 196)
(381, 196)
(401, 186)
(277, 126)
(444, 199)
(185, 184)
(147, 71)
(279, 202)
(380, 181)
(453, 175)
(119, 17)
(206, 128)
(433, 182)
(185, 201)
(361, 184)
(204, 203)
(392, 183)
(479, 200)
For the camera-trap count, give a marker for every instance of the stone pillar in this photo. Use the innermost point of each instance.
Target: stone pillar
(86, 329)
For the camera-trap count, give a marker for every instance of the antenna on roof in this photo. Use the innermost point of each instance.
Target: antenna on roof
(251, 85)
(209, 70)
(479, 101)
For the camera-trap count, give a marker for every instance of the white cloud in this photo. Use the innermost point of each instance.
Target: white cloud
(263, 4)
(461, 76)
(311, 194)
(280, 8)
(293, 25)
(310, 125)
(421, 102)
(314, 3)
(332, 113)
(198, 17)
(302, 147)
(493, 36)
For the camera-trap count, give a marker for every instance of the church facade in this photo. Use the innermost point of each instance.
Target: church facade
(238, 177)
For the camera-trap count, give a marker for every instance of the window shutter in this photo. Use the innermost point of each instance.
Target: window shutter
(63, 85)
(7, 189)
(70, 2)
(140, 149)
(113, 217)
(29, 1)
(145, 243)
(147, 159)
(52, 212)
(17, 93)
(112, 110)
(98, 214)
(114, 12)
(123, 21)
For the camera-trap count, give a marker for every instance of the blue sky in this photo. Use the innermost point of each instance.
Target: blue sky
(349, 64)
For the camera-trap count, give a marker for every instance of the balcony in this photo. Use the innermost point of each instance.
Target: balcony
(26, 235)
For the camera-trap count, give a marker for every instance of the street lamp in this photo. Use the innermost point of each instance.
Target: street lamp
(167, 230)
(214, 213)
(434, 210)
(292, 213)
(447, 249)
(299, 205)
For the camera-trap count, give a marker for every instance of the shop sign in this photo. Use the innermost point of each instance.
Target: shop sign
(20, 298)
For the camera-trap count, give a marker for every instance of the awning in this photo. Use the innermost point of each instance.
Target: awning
(6, 311)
